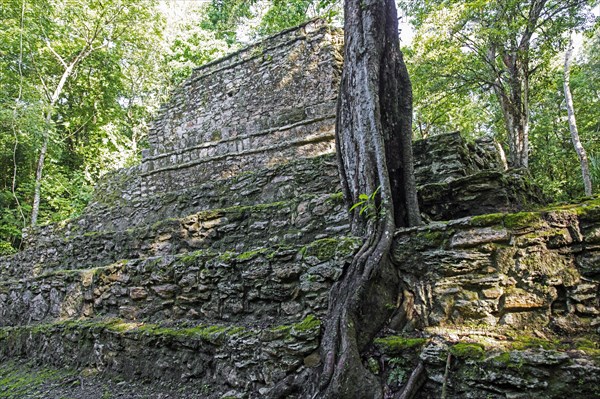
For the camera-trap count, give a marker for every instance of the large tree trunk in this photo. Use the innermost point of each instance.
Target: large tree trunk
(373, 139)
(374, 148)
(374, 118)
(583, 160)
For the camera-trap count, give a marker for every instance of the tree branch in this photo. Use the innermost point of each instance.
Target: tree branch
(58, 57)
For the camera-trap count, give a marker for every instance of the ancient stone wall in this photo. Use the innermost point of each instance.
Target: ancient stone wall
(245, 111)
(470, 183)
(270, 285)
(519, 270)
(124, 208)
(239, 228)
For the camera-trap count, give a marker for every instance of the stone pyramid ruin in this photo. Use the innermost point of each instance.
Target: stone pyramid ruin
(207, 267)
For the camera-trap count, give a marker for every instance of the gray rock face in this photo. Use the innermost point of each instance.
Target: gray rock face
(525, 270)
(210, 264)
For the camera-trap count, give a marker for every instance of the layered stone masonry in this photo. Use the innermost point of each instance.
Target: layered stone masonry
(269, 285)
(469, 185)
(228, 360)
(524, 270)
(244, 111)
(529, 271)
(447, 157)
(117, 225)
(300, 220)
(475, 363)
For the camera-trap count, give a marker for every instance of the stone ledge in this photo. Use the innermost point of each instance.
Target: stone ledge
(312, 28)
(476, 364)
(223, 357)
(22, 379)
(210, 144)
(125, 208)
(312, 139)
(262, 285)
(528, 269)
(299, 220)
(477, 194)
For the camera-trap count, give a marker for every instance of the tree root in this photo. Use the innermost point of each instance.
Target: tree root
(415, 381)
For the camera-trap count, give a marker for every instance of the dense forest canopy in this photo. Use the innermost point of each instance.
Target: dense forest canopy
(82, 79)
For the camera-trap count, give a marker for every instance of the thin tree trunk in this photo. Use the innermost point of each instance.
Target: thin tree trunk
(35, 208)
(583, 159)
(513, 97)
(14, 128)
(39, 172)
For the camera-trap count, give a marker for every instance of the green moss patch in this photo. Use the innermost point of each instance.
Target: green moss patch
(488, 219)
(310, 322)
(248, 255)
(22, 381)
(329, 248)
(587, 344)
(394, 344)
(433, 237)
(192, 258)
(464, 350)
(522, 220)
(336, 198)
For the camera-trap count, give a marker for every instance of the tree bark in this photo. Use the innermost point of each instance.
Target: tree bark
(583, 159)
(374, 148)
(513, 97)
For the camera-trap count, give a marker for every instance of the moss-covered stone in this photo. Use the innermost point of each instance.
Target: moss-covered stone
(336, 198)
(432, 237)
(310, 322)
(21, 381)
(464, 350)
(522, 220)
(489, 219)
(328, 248)
(248, 255)
(194, 257)
(395, 344)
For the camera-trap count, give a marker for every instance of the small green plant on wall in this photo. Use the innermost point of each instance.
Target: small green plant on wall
(366, 204)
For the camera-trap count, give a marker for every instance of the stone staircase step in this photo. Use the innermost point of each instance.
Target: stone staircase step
(118, 203)
(299, 220)
(220, 358)
(262, 285)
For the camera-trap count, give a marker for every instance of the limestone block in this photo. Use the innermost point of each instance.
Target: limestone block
(474, 237)
(519, 299)
(165, 291)
(138, 293)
